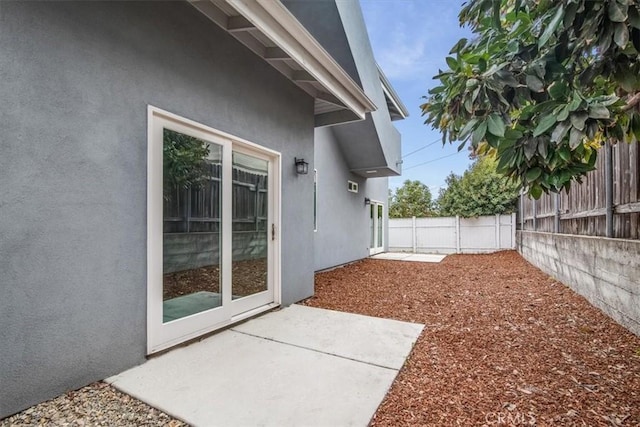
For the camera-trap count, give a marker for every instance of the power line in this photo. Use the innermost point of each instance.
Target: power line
(421, 148)
(431, 161)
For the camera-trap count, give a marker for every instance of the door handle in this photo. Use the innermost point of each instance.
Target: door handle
(273, 232)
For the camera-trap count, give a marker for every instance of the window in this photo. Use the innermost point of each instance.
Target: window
(352, 186)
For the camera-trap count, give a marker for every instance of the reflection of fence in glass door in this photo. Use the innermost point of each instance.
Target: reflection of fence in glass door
(250, 225)
(192, 178)
(192, 225)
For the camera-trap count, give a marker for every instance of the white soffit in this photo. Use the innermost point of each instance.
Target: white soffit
(273, 33)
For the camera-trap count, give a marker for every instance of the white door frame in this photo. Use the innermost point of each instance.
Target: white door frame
(374, 249)
(164, 335)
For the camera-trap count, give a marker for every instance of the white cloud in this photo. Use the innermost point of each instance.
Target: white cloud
(402, 56)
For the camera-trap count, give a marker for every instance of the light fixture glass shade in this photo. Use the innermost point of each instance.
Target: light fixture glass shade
(302, 167)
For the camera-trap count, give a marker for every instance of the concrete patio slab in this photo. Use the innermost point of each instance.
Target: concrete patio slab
(402, 256)
(270, 374)
(382, 342)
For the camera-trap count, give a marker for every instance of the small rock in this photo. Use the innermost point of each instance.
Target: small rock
(509, 406)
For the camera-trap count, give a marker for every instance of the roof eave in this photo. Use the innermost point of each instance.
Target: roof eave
(392, 95)
(275, 21)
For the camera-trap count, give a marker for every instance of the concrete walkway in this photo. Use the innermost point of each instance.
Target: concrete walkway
(407, 256)
(293, 367)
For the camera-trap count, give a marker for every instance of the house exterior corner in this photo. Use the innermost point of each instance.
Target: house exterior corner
(109, 250)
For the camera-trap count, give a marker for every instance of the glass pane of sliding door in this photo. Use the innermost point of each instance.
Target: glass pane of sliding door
(250, 228)
(192, 191)
(376, 227)
(380, 224)
(372, 225)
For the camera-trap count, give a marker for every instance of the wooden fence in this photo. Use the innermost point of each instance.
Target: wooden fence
(607, 203)
(196, 210)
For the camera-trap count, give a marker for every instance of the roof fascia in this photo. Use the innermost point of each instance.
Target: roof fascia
(275, 21)
(390, 92)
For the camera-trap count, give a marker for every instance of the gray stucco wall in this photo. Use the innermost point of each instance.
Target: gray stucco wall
(322, 19)
(351, 15)
(343, 218)
(76, 79)
(340, 27)
(604, 271)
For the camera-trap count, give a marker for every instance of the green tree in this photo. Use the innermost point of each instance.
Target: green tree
(542, 86)
(184, 160)
(412, 199)
(481, 190)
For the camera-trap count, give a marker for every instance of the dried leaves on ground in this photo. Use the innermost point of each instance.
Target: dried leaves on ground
(504, 344)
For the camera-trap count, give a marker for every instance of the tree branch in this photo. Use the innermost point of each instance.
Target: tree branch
(632, 102)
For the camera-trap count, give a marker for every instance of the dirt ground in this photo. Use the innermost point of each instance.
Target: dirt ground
(504, 344)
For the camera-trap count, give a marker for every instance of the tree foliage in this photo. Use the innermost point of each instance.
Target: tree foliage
(481, 190)
(412, 199)
(184, 160)
(543, 85)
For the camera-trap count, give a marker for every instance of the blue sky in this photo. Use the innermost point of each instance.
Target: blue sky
(410, 40)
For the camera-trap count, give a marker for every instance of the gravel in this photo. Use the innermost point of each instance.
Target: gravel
(97, 404)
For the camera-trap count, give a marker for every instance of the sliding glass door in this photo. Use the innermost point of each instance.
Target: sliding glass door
(376, 227)
(212, 233)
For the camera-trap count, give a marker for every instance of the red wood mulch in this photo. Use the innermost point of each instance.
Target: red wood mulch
(504, 344)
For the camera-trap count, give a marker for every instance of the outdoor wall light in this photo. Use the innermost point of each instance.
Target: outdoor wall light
(302, 167)
(367, 201)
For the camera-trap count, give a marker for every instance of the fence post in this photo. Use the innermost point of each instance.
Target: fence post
(556, 217)
(457, 234)
(521, 210)
(513, 231)
(188, 210)
(608, 189)
(497, 231)
(414, 235)
(535, 215)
